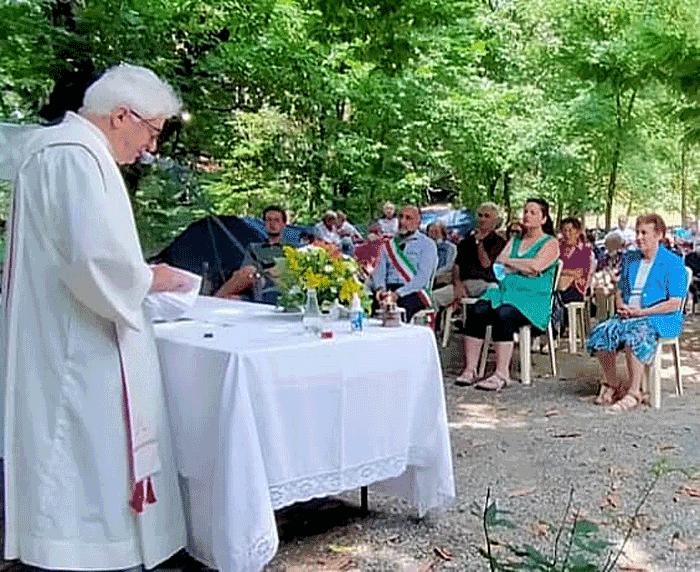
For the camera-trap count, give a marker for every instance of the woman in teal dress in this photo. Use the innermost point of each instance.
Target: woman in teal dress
(648, 300)
(523, 296)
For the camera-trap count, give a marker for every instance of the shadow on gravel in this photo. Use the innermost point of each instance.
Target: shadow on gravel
(314, 517)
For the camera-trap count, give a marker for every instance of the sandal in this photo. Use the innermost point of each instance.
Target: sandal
(626, 403)
(466, 378)
(605, 396)
(493, 383)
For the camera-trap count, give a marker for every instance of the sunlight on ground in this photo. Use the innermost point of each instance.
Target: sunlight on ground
(634, 558)
(483, 416)
(342, 558)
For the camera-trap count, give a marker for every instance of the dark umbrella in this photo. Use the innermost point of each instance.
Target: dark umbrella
(213, 243)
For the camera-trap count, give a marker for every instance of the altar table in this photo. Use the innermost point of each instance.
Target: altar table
(264, 415)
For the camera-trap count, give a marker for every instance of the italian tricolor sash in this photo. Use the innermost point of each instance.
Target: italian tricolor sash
(406, 269)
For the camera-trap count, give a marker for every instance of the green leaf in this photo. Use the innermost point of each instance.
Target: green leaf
(584, 528)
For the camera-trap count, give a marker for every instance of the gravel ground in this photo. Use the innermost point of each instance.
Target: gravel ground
(530, 446)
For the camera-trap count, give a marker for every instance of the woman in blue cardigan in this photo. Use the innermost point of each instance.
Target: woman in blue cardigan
(648, 299)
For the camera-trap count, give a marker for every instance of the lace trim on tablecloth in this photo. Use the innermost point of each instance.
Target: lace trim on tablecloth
(254, 557)
(334, 482)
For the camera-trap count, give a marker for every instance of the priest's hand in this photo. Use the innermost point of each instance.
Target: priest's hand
(167, 278)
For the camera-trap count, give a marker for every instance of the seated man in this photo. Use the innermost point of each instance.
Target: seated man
(447, 253)
(258, 274)
(472, 273)
(407, 266)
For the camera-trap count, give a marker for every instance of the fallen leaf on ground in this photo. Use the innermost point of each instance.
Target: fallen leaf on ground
(611, 501)
(691, 490)
(522, 492)
(338, 548)
(680, 545)
(443, 553)
(539, 528)
(567, 434)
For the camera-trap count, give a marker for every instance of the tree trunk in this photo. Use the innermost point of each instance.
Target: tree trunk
(612, 182)
(506, 194)
(684, 190)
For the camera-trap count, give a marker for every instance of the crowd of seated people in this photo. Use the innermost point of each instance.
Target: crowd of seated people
(511, 274)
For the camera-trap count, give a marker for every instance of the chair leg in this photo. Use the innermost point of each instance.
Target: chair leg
(571, 313)
(655, 381)
(677, 364)
(484, 352)
(552, 355)
(525, 350)
(447, 325)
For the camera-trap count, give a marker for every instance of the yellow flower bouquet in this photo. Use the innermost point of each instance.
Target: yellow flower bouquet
(325, 268)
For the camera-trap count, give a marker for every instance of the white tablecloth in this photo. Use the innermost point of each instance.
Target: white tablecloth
(264, 416)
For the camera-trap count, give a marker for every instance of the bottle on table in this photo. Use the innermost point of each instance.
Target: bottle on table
(357, 314)
(206, 288)
(312, 313)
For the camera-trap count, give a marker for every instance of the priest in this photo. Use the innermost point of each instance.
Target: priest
(90, 477)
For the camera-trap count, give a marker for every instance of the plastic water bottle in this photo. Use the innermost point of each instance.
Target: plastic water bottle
(357, 314)
(312, 314)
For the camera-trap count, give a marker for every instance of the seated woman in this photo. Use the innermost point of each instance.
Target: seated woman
(578, 262)
(648, 298)
(523, 296)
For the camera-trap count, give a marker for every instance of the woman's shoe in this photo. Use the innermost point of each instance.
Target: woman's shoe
(493, 383)
(466, 378)
(626, 403)
(606, 395)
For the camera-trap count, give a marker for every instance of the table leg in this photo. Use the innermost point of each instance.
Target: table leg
(364, 502)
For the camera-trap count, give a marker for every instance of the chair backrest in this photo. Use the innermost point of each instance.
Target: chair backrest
(557, 275)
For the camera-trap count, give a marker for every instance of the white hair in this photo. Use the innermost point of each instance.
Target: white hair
(132, 86)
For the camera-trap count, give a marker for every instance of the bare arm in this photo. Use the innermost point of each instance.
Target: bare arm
(666, 307)
(484, 259)
(532, 266)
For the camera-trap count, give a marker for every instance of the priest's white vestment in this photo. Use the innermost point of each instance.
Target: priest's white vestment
(74, 330)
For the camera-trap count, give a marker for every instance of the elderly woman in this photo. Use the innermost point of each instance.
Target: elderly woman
(648, 298)
(522, 298)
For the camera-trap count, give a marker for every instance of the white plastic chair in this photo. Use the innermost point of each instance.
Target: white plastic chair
(653, 370)
(450, 318)
(524, 343)
(579, 324)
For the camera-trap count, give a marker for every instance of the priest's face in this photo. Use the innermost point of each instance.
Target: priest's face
(133, 134)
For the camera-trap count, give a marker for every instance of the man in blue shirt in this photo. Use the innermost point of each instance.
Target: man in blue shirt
(407, 266)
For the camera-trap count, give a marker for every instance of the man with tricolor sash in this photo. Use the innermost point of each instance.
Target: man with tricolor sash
(407, 266)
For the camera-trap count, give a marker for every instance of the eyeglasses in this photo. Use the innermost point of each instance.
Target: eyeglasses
(155, 131)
